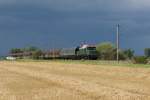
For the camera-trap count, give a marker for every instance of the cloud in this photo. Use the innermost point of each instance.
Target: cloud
(3, 2)
(67, 5)
(74, 18)
(82, 5)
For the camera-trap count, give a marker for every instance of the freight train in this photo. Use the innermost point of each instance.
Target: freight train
(80, 52)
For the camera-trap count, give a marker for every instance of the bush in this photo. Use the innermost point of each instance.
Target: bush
(129, 53)
(147, 52)
(106, 51)
(148, 60)
(140, 60)
(36, 54)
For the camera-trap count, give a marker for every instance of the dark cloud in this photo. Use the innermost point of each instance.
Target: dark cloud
(69, 22)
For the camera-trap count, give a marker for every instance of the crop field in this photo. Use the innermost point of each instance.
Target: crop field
(58, 80)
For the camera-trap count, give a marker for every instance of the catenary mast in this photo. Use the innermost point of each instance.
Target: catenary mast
(118, 26)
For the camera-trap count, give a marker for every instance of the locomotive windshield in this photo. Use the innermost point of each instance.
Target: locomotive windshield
(91, 48)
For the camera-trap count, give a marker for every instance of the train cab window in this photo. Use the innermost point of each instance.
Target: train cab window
(91, 48)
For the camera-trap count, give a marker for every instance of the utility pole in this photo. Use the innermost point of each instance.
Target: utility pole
(118, 26)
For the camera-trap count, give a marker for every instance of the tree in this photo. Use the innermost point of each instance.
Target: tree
(129, 53)
(140, 60)
(35, 51)
(147, 52)
(15, 50)
(106, 51)
(31, 52)
(30, 49)
(36, 54)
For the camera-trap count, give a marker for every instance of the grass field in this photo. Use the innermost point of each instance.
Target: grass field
(93, 62)
(73, 80)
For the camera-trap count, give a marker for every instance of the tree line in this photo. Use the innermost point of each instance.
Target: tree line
(30, 52)
(105, 51)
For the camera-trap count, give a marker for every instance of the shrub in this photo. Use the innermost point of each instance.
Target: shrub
(36, 54)
(140, 60)
(129, 53)
(147, 52)
(106, 51)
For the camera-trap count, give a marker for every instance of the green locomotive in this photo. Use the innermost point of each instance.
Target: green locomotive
(83, 52)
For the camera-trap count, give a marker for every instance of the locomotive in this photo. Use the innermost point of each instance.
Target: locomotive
(80, 52)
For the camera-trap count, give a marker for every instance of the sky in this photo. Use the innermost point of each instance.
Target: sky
(67, 23)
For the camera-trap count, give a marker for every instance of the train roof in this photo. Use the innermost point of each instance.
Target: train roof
(86, 46)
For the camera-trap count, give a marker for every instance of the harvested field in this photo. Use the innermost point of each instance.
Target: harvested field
(61, 81)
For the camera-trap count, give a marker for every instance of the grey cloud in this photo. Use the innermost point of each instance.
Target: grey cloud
(115, 5)
(6, 2)
(74, 18)
(67, 5)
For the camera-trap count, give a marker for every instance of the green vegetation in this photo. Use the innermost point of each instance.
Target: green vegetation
(30, 49)
(28, 52)
(2, 58)
(92, 62)
(129, 53)
(36, 54)
(104, 62)
(147, 52)
(107, 51)
(16, 50)
(140, 60)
